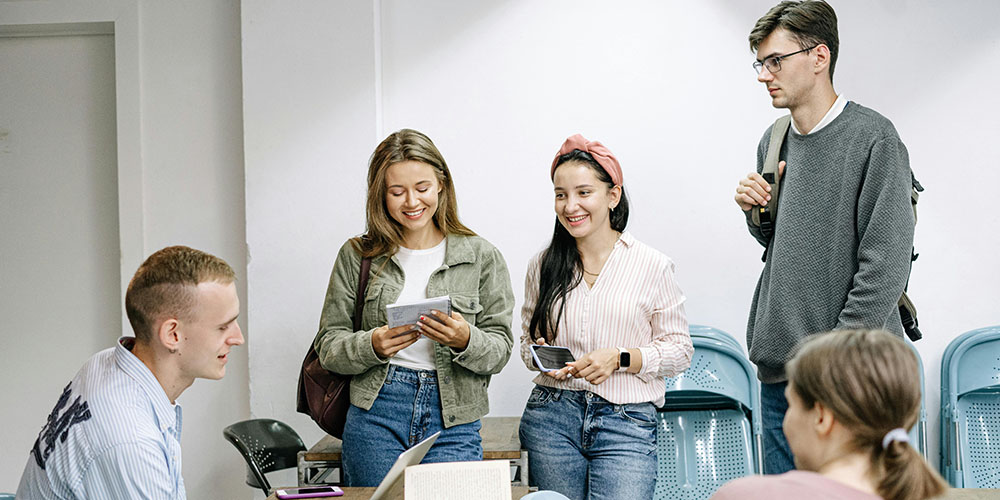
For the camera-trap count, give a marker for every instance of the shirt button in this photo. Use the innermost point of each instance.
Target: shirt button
(447, 380)
(451, 418)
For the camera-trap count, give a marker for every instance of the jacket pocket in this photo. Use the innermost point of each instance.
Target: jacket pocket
(371, 316)
(467, 306)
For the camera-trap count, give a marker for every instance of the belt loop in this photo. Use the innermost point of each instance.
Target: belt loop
(390, 374)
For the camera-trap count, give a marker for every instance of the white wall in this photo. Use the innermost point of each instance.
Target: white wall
(193, 195)
(58, 199)
(666, 85)
(180, 180)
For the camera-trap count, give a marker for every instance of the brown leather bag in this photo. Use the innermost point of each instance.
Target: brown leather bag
(323, 395)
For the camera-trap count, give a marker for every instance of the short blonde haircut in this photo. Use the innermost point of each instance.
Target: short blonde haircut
(164, 286)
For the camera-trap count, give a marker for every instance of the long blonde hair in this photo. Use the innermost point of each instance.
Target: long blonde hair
(870, 380)
(383, 235)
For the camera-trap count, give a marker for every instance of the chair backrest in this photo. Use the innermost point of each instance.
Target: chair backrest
(699, 451)
(970, 410)
(713, 333)
(709, 428)
(918, 434)
(718, 371)
(266, 445)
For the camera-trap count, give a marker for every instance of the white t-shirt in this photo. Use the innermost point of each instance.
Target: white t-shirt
(418, 265)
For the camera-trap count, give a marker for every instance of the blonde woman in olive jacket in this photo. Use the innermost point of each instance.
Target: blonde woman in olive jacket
(414, 380)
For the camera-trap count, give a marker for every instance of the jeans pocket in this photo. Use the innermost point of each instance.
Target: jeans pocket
(641, 414)
(540, 396)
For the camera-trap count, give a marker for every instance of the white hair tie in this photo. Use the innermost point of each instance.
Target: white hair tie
(898, 434)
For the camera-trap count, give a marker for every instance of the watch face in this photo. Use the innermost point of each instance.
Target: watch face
(624, 359)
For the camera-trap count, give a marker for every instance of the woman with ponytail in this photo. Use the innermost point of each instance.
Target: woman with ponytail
(590, 427)
(852, 395)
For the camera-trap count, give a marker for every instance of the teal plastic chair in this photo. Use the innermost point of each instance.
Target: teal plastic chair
(970, 410)
(6, 496)
(918, 434)
(709, 429)
(266, 445)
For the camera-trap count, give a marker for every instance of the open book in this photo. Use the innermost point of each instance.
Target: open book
(485, 480)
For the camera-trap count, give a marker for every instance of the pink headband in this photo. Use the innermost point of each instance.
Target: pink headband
(597, 150)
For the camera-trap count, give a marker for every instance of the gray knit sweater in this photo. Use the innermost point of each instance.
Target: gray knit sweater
(840, 255)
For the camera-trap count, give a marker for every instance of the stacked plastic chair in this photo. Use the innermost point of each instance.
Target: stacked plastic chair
(709, 429)
(918, 434)
(970, 410)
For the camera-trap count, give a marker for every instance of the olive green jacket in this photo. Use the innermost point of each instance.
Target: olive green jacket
(474, 275)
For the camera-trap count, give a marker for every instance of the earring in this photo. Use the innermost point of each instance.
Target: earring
(172, 350)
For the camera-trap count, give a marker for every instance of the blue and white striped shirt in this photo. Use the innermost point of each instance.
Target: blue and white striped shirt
(112, 434)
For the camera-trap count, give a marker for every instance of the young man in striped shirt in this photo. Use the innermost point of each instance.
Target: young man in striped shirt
(115, 430)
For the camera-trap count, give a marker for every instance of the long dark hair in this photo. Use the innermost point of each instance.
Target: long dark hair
(561, 268)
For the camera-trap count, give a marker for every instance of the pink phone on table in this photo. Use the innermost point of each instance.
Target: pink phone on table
(310, 492)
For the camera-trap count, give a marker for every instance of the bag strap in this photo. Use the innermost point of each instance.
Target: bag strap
(764, 216)
(359, 298)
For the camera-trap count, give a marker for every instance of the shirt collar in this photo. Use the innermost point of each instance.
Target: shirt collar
(626, 239)
(831, 114)
(458, 250)
(167, 414)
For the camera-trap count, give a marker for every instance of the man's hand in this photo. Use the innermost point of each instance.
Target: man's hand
(388, 341)
(754, 190)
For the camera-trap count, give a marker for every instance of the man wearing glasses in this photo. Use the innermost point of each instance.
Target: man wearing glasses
(839, 253)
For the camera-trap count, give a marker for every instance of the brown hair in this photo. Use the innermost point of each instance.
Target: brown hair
(383, 234)
(164, 285)
(870, 380)
(810, 23)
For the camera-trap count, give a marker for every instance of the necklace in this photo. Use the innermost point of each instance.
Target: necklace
(590, 273)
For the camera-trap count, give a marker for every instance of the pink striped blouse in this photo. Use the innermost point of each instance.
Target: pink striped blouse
(635, 302)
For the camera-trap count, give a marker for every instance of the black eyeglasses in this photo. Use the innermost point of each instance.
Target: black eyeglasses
(773, 63)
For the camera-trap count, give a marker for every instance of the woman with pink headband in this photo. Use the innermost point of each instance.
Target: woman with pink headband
(590, 426)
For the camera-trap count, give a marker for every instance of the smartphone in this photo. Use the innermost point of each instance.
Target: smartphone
(310, 492)
(548, 357)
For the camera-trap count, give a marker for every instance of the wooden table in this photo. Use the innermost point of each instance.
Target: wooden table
(365, 493)
(971, 494)
(519, 491)
(500, 442)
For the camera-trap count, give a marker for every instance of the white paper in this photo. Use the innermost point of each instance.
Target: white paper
(409, 313)
(483, 480)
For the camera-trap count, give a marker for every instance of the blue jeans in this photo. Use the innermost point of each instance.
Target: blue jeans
(777, 455)
(585, 447)
(407, 410)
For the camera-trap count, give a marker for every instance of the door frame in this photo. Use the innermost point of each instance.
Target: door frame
(119, 18)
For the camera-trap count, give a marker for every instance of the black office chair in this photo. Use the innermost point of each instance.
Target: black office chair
(267, 445)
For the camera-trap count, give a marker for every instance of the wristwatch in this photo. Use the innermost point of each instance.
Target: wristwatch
(624, 359)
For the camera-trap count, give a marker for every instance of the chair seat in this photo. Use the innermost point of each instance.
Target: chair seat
(700, 450)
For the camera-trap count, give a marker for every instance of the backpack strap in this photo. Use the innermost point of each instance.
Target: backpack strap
(359, 299)
(765, 216)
